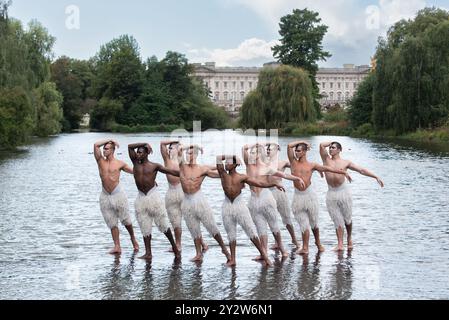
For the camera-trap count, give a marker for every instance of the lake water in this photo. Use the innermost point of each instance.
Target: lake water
(54, 242)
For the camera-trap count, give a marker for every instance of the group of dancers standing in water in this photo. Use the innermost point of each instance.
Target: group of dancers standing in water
(264, 174)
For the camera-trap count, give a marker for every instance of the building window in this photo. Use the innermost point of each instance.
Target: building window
(324, 85)
(347, 96)
(217, 85)
(234, 85)
(242, 85)
(339, 85)
(331, 95)
(347, 85)
(242, 96)
(355, 85)
(225, 85)
(324, 96)
(225, 95)
(250, 85)
(332, 85)
(217, 96)
(339, 96)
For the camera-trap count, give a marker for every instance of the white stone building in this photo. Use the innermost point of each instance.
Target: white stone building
(338, 85)
(230, 85)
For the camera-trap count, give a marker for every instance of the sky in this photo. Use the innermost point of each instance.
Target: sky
(228, 32)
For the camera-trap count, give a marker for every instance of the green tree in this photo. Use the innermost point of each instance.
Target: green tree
(360, 108)
(16, 117)
(73, 79)
(412, 74)
(283, 94)
(104, 113)
(301, 44)
(47, 100)
(119, 71)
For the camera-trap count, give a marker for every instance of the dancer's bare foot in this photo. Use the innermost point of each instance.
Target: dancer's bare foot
(147, 257)
(228, 256)
(205, 246)
(350, 245)
(258, 258)
(197, 258)
(302, 251)
(297, 245)
(177, 254)
(268, 262)
(285, 254)
(274, 247)
(320, 248)
(135, 245)
(116, 250)
(338, 249)
(231, 263)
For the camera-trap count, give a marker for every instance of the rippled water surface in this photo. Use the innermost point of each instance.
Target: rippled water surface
(54, 242)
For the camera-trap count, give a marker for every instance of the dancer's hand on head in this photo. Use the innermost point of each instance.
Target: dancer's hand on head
(150, 149)
(116, 144)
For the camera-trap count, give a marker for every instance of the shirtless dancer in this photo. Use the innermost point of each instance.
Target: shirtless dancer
(195, 208)
(234, 210)
(305, 202)
(148, 205)
(262, 204)
(281, 198)
(175, 195)
(339, 198)
(113, 201)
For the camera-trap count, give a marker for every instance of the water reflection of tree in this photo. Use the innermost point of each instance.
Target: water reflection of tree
(340, 284)
(309, 281)
(118, 282)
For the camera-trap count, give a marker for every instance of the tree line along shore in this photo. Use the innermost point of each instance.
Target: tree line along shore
(406, 94)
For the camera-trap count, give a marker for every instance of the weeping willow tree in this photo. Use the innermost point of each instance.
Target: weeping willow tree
(284, 94)
(411, 85)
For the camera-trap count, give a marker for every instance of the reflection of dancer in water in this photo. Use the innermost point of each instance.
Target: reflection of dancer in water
(339, 198)
(262, 205)
(235, 210)
(149, 205)
(195, 208)
(113, 201)
(175, 195)
(305, 202)
(281, 198)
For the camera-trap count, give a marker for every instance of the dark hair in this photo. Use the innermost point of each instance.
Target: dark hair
(303, 146)
(145, 148)
(338, 145)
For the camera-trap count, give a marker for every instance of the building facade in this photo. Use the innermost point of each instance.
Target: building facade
(338, 85)
(229, 86)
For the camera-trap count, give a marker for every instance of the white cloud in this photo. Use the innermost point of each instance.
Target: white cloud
(350, 29)
(351, 37)
(249, 51)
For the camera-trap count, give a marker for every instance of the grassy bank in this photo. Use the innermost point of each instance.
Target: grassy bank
(343, 128)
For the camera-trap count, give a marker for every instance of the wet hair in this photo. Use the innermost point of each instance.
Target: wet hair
(303, 146)
(338, 145)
